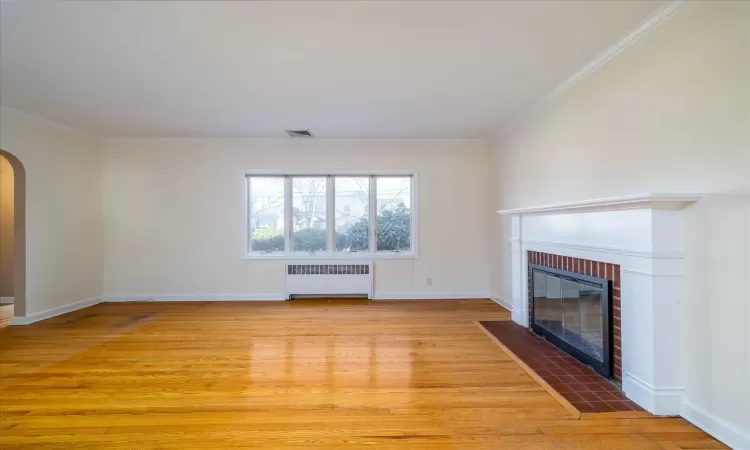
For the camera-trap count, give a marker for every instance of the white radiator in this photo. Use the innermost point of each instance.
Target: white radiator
(329, 278)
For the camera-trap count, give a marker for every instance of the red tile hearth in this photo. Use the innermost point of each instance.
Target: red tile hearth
(583, 388)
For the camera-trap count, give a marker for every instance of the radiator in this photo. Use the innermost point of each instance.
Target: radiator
(329, 278)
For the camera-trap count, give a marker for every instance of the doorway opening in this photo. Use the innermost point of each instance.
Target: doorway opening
(12, 238)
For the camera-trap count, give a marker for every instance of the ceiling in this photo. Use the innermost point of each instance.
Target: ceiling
(382, 69)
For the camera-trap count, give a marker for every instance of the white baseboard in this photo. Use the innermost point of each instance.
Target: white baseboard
(722, 430)
(429, 295)
(7, 299)
(502, 302)
(195, 298)
(660, 401)
(282, 296)
(49, 313)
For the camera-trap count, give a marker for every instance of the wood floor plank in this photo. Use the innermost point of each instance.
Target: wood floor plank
(401, 374)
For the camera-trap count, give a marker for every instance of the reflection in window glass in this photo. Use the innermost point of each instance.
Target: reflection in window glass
(267, 214)
(352, 214)
(394, 213)
(309, 214)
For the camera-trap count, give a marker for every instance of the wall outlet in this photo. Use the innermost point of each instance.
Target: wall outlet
(429, 281)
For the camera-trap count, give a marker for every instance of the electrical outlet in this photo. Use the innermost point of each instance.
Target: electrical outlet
(429, 281)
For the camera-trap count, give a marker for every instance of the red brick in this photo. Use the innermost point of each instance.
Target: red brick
(618, 352)
(617, 275)
(570, 263)
(618, 341)
(617, 303)
(594, 268)
(617, 322)
(616, 292)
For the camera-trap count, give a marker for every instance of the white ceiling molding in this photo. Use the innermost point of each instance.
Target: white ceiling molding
(660, 17)
(637, 201)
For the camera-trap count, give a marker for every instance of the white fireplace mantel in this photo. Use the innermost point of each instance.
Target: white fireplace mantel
(643, 234)
(637, 201)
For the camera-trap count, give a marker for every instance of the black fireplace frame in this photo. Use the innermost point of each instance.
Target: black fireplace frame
(605, 367)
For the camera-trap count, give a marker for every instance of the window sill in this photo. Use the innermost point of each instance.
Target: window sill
(335, 256)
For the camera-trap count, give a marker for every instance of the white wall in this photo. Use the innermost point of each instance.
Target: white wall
(63, 210)
(6, 228)
(671, 113)
(173, 213)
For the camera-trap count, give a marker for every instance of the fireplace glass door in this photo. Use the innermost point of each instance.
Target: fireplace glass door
(572, 311)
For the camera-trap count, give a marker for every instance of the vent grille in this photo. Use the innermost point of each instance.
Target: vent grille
(299, 133)
(328, 269)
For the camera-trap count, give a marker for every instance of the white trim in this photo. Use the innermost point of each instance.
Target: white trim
(334, 173)
(651, 23)
(640, 253)
(345, 256)
(722, 430)
(279, 296)
(60, 310)
(653, 275)
(57, 126)
(637, 201)
(270, 297)
(430, 296)
(661, 401)
(502, 302)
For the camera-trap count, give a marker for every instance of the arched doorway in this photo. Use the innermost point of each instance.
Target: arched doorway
(13, 232)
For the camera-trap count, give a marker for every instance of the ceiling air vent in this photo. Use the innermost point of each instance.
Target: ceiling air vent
(299, 133)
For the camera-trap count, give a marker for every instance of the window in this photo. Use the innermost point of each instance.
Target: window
(339, 216)
(394, 213)
(266, 214)
(352, 219)
(309, 214)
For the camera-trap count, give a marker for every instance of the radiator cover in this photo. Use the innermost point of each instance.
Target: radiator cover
(329, 278)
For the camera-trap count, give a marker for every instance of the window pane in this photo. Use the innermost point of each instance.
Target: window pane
(352, 214)
(394, 213)
(266, 214)
(309, 214)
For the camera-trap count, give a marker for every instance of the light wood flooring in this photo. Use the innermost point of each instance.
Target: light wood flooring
(401, 374)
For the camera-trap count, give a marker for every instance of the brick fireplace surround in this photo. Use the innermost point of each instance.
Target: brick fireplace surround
(592, 268)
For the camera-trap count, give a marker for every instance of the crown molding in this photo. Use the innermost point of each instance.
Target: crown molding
(15, 112)
(638, 201)
(651, 23)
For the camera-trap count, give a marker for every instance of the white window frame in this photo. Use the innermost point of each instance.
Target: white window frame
(330, 215)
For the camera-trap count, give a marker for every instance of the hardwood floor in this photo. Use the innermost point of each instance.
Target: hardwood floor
(408, 374)
(6, 312)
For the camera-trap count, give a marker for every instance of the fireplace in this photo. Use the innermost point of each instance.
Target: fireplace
(574, 312)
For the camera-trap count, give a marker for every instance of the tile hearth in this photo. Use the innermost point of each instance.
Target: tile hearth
(584, 389)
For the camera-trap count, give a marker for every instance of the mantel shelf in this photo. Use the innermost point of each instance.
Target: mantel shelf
(638, 201)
